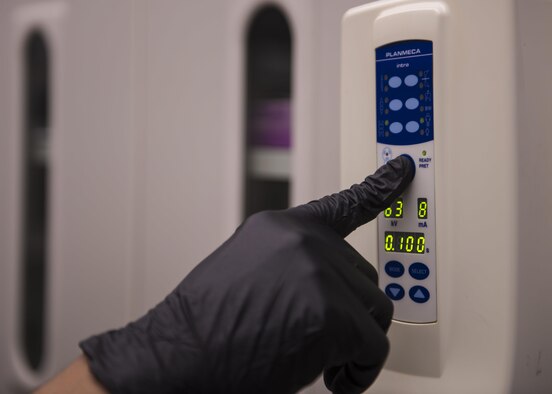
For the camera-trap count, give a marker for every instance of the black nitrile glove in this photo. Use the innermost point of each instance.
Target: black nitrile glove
(282, 300)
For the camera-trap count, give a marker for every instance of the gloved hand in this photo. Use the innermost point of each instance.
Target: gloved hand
(285, 298)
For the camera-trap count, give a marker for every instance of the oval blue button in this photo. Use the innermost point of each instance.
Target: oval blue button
(394, 291)
(395, 105)
(412, 103)
(418, 271)
(395, 82)
(419, 294)
(394, 269)
(395, 127)
(412, 126)
(411, 80)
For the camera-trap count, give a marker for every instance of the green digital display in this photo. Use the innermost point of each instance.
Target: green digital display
(404, 242)
(422, 208)
(395, 210)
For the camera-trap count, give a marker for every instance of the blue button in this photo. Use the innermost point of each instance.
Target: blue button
(411, 80)
(395, 105)
(394, 269)
(395, 127)
(419, 294)
(412, 126)
(395, 82)
(418, 271)
(412, 103)
(394, 291)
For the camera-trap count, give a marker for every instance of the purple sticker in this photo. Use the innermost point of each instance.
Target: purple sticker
(270, 124)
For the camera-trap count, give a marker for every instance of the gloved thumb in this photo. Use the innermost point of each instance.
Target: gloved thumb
(347, 210)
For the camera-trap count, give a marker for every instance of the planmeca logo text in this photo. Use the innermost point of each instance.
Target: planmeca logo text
(406, 52)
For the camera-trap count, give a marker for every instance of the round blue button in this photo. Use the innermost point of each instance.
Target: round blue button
(395, 82)
(396, 127)
(411, 80)
(394, 269)
(412, 103)
(394, 291)
(419, 294)
(395, 105)
(412, 126)
(418, 271)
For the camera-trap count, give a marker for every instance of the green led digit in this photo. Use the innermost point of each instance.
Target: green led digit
(389, 243)
(401, 244)
(399, 212)
(422, 208)
(409, 243)
(420, 244)
(388, 212)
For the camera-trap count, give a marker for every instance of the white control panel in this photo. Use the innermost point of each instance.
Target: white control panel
(483, 163)
(406, 230)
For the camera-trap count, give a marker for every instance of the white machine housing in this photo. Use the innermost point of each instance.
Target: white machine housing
(492, 99)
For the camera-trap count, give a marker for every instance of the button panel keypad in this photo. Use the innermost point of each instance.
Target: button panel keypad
(406, 229)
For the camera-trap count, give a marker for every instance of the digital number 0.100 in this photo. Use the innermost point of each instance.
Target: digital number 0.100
(404, 242)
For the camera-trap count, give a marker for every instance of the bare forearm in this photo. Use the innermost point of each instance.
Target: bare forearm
(76, 378)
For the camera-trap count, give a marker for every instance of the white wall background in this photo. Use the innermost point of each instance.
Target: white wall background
(146, 150)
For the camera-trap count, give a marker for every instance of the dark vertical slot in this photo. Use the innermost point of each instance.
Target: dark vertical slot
(35, 197)
(268, 111)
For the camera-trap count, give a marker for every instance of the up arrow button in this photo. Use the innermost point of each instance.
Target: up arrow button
(419, 294)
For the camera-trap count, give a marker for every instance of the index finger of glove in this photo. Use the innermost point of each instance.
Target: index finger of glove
(347, 210)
